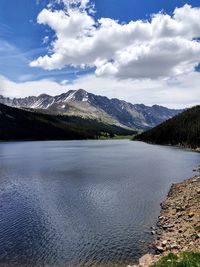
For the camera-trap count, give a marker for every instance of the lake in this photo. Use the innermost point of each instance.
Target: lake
(83, 203)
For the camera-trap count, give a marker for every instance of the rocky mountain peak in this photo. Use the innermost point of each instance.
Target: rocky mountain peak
(81, 103)
(44, 96)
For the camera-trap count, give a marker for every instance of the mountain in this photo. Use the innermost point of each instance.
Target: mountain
(182, 130)
(19, 124)
(87, 105)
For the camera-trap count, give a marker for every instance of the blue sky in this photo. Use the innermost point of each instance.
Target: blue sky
(21, 41)
(19, 29)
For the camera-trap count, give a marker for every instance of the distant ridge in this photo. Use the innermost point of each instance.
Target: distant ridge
(182, 130)
(86, 105)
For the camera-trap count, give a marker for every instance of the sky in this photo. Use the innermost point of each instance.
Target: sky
(139, 51)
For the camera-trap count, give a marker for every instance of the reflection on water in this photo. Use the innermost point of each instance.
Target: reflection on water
(83, 203)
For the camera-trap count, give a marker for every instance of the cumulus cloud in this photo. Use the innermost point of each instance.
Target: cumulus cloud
(164, 46)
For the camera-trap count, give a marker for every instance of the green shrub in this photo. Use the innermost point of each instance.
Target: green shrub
(184, 259)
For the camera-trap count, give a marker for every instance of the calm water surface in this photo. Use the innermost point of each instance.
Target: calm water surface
(83, 203)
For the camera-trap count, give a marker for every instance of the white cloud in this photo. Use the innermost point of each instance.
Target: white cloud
(64, 82)
(150, 62)
(180, 92)
(165, 46)
(175, 93)
(12, 89)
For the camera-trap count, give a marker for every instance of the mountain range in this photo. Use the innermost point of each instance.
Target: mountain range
(80, 103)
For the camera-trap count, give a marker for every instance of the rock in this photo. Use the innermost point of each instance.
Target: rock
(173, 211)
(191, 214)
(164, 243)
(158, 232)
(188, 219)
(159, 249)
(198, 190)
(194, 180)
(180, 209)
(145, 260)
(194, 237)
(167, 226)
(178, 227)
(174, 246)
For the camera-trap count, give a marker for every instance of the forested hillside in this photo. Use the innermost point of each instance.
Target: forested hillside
(183, 130)
(18, 124)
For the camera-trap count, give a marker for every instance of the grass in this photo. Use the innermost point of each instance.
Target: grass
(116, 137)
(184, 259)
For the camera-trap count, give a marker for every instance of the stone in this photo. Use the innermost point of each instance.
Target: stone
(164, 243)
(194, 237)
(159, 249)
(167, 226)
(188, 219)
(198, 190)
(191, 214)
(194, 180)
(145, 260)
(180, 209)
(174, 246)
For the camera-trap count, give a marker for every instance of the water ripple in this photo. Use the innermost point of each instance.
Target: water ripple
(82, 204)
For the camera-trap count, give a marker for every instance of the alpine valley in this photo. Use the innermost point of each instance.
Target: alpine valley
(86, 105)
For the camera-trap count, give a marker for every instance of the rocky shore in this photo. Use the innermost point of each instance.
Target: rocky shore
(178, 227)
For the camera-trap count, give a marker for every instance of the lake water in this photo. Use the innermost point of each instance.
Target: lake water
(83, 203)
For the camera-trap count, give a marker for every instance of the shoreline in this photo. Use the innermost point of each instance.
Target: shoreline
(117, 137)
(188, 148)
(178, 226)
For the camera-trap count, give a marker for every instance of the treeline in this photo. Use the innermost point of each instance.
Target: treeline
(18, 124)
(182, 130)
